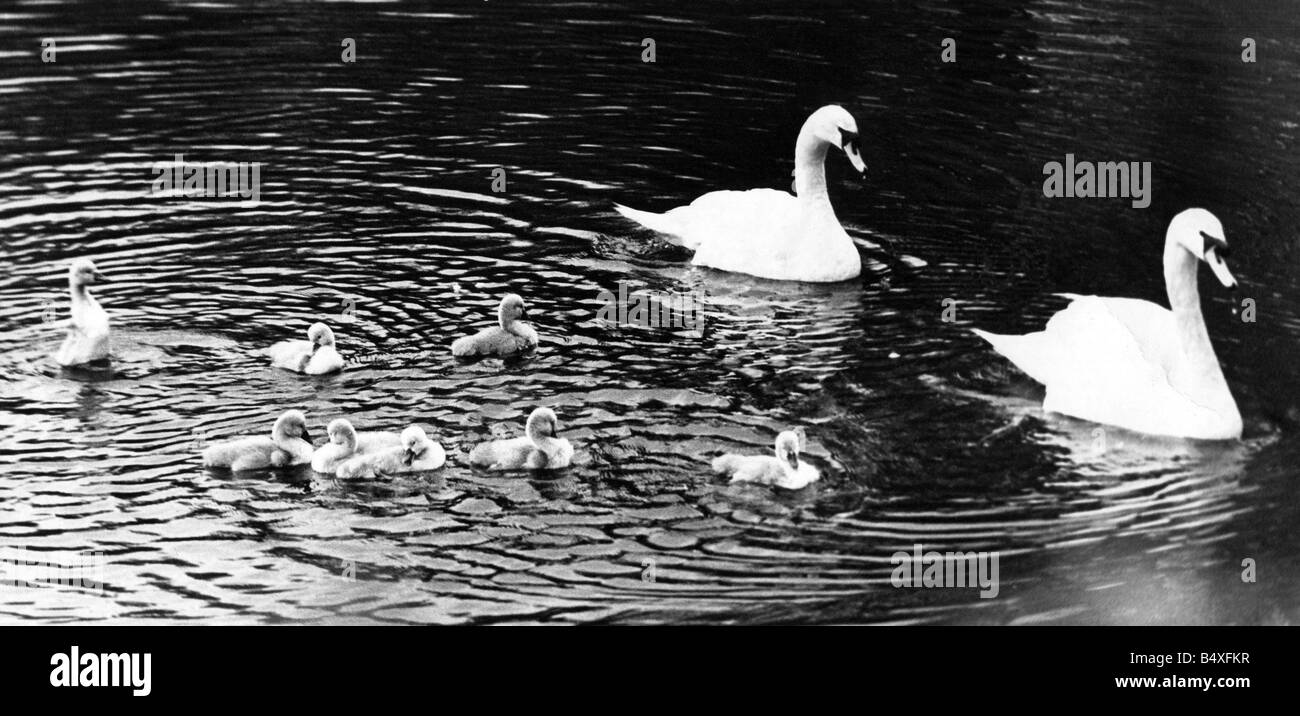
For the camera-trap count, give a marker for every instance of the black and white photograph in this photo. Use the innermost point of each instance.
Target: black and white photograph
(709, 313)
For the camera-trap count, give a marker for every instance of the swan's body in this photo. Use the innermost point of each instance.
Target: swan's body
(417, 453)
(87, 340)
(1132, 363)
(288, 445)
(539, 449)
(783, 470)
(509, 337)
(769, 233)
(314, 356)
(345, 443)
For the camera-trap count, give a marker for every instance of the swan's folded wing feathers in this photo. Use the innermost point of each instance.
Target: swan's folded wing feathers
(494, 341)
(225, 454)
(1103, 336)
(291, 355)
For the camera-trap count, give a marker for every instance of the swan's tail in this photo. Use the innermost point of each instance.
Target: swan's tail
(663, 223)
(1027, 352)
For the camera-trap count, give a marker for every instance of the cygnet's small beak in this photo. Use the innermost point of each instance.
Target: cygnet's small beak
(306, 434)
(99, 276)
(793, 459)
(408, 457)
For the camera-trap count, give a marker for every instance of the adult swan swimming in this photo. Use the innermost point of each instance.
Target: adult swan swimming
(1131, 363)
(769, 233)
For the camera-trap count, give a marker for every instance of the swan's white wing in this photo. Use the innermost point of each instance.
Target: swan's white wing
(1109, 360)
(502, 454)
(727, 227)
(771, 234)
(377, 441)
(1093, 338)
(747, 217)
(1112, 363)
(291, 355)
(760, 232)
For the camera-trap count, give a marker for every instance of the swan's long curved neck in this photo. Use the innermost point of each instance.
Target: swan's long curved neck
(810, 166)
(1185, 301)
(80, 292)
(546, 443)
(507, 324)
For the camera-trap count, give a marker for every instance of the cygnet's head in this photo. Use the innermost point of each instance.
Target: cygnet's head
(320, 335)
(1200, 232)
(341, 432)
(542, 424)
(787, 448)
(82, 272)
(834, 125)
(511, 309)
(414, 441)
(291, 424)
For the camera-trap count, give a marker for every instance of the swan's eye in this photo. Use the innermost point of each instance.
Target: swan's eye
(1219, 245)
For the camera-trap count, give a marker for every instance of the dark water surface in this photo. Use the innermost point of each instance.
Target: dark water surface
(377, 216)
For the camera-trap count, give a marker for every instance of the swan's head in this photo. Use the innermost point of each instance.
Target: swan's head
(320, 335)
(414, 443)
(511, 309)
(542, 424)
(787, 448)
(834, 125)
(82, 272)
(291, 424)
(1200, 232)
(341, 432)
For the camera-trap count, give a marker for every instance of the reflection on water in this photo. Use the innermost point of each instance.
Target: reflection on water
(377, 216)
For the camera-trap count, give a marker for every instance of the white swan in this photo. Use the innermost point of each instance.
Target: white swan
(289, 444)
(345, 442)
(1132, 363)
(769, 233)
(509, 337)
(87, 340)
(314, 356)
(785, 470)
(539, 449)
(417, 453)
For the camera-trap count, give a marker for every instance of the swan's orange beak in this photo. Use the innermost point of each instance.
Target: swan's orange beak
(849, 142)
(851, 151)
(1220, 268)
